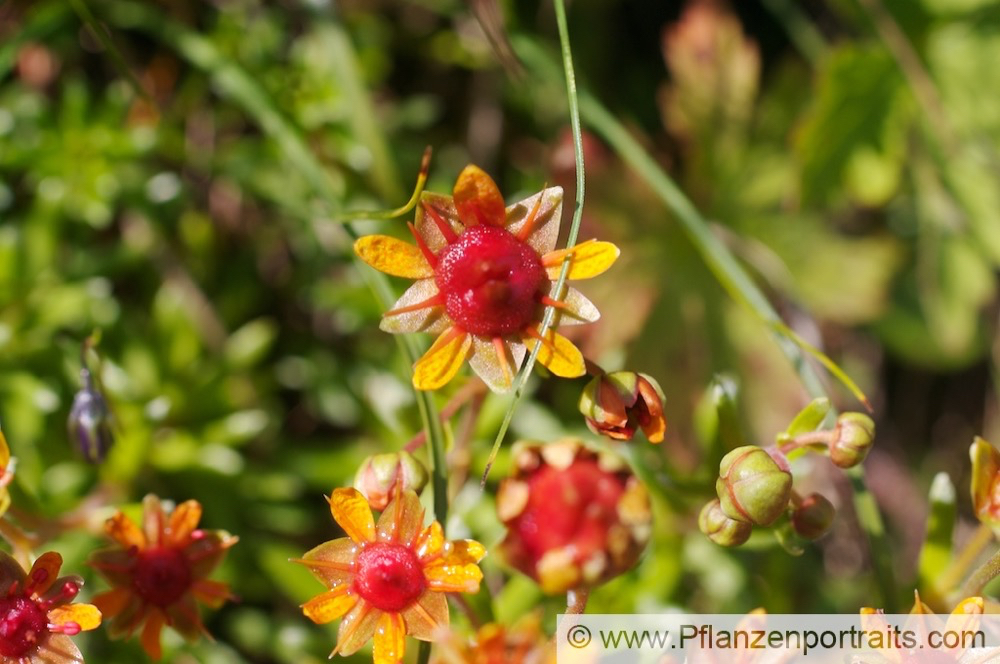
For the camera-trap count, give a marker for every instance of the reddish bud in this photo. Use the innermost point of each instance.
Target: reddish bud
(379, 475)
(618, 403)
(574, 518)
(813, 517)
(853, 437)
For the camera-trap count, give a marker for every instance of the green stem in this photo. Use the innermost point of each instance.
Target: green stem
(804, 35)
(963, 561)
(987, 572)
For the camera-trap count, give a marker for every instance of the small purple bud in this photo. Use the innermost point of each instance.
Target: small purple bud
(90, 421)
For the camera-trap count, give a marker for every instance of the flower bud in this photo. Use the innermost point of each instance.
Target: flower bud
(753, 486)
(853, 437)
(985, 482)
(618, 403)
(379, 475)
(719, 528)
(575, 518)
(89, 421)
(813, 516)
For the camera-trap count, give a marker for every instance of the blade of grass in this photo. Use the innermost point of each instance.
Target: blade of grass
(234, 84)
(574, 231)
(734, 280)
(101, 35)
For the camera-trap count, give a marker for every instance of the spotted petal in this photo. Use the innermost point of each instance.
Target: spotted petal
(588, 259)
(390, 639)
(87, 616)
(577, 309)
(478, 199)
(425, 617)
(430, 319)
(393, 256)
(329, 606)
(559, 355)
(402, 519)
(442, 360)
(351, 511)
(543, 233)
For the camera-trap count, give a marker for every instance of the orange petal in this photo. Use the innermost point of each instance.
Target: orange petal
(351, 511)
(588, 259)
(154, 521)
(425, 617)
(87, 616)
(330, 605)
(390, 639)
(454, 578)
(112, 602)
(150, 638)
(357, 628)
(124, 531)
(183, 521)
(431, 542)
(393, 256)
(402, 519)
(211, 593)
(4, 452)
(558, 354)
(477, 198)
(44, 572)
(442, 360)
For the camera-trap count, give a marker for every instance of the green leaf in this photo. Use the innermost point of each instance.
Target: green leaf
(717, 420)
(936, 552)
(852, 120)
(809, 418)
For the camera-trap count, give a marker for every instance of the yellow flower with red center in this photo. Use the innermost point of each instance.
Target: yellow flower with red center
(159, 572)
(484, 274)
(388, 580)
(36, 614)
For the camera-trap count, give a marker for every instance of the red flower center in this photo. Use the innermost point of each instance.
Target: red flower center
(22, 626)
(491, 281)
(572, 506)
(390, 576)
(162, 575)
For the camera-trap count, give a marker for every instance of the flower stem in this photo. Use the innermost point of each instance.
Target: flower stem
(981, 577)
(961, 564)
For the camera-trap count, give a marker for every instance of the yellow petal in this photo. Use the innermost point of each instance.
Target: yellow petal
(393, 256)
(183, 521)
(329, 606)
(351, 511)
(559, 355)
(477, 198)
(4, 452)
(425, 617)
(124, 531)
(431, 541)
(454, 578)
(390, 639)
(589, 259)
(402, 519)
(86, 616)
(442, 360)
(44, 572)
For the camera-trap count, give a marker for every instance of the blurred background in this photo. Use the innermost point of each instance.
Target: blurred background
(847, 152)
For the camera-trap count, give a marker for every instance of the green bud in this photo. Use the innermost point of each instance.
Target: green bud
(753, 486)
(379, 475)
(813, 516)
(853, 437)
(719, 528)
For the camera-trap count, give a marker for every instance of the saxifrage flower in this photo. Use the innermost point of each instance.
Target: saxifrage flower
(484, 274)
(36, 614)
(159, 572)
(388, 580)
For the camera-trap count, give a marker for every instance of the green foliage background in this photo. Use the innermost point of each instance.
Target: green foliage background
(197, 229)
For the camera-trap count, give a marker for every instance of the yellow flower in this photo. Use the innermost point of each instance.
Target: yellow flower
(389, 580)
(483, 276)
(36, 614)
(159, 571)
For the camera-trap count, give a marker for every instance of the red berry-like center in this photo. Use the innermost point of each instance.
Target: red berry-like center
(23, 625)
(572, 506)
(162, 575)
(491, 281)
(390, 576)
